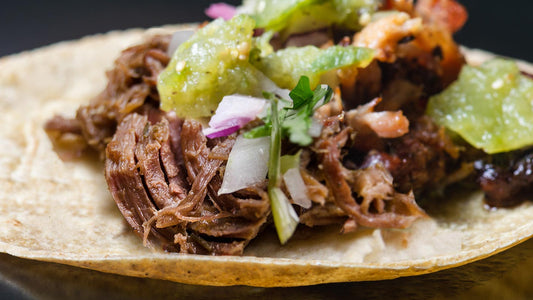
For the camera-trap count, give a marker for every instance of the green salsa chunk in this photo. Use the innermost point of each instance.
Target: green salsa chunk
(223, 58)
(490, 106)
(294, 16)
(286, 66)
(274, 14)
(210, 65)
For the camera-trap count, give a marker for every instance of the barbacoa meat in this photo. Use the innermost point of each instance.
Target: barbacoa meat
(131, 84)
(164, 198)
(376, 151)
(506, 180)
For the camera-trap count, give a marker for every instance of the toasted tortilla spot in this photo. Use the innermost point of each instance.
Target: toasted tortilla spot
(61, 212)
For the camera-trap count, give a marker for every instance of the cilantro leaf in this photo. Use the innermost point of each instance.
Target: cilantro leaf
(298, 121)
(321, 93)
(301, 93)
(297, 128)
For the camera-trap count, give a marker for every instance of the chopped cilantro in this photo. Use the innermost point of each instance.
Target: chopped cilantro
(295, 119)
(290, 122)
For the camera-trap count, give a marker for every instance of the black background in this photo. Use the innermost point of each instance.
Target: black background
(504, 27)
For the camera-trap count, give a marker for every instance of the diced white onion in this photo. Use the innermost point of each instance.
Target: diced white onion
(178, 38)
(316, 128)
(247, 164)
(296, 186)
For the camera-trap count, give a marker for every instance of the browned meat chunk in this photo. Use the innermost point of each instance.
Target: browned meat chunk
(507, 182)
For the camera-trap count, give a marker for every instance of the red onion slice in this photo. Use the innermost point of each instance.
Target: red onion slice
(221, 10)
(232, 113)
(220, 132)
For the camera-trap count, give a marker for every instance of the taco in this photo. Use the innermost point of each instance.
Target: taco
(375, 150)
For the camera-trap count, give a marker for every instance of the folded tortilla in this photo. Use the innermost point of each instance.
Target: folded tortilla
(62, 212)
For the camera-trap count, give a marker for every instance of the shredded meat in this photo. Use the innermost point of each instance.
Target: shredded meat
(131, 85)
(126, 184)
(506, 182)
(66, 137)
(419, 160)
(154, 165)
(316, 191)
(160, 170)
(152, 191)
(398, 212)
(325, 214)
(197, 157)
(223, 218)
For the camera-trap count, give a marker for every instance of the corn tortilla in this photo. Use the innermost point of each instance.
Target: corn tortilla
(58, 211)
